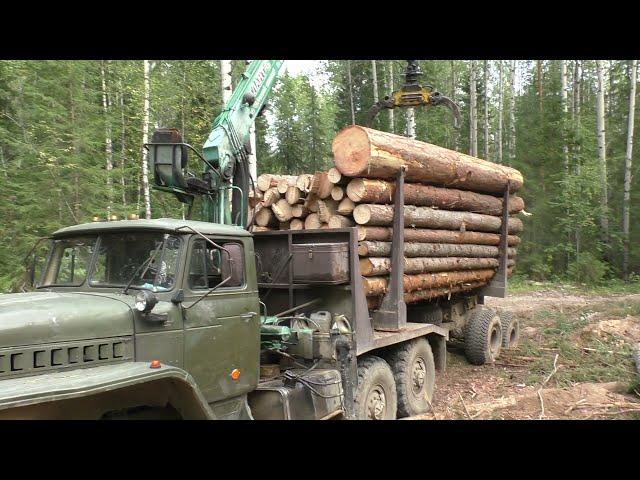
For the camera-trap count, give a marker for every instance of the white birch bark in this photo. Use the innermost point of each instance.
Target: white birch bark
(500, 108)
(565, 110)
(353, 111)
(473, 113)
(626, 204)
(108, 144)
(145, 139)
(602, 151)
(392, 124)
(512, 112)
(486, 109)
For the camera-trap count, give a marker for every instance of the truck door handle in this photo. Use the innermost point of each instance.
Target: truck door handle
(248, 315)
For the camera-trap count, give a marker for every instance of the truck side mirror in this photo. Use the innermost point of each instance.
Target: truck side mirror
(168, 158)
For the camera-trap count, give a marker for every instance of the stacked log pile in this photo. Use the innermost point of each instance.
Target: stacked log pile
(452, 215)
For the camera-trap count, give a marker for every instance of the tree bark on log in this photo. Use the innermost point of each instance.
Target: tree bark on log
(311, 202)
(373, 303)
(364, 190)
(373, 266)
(364, 152)
(383, 249)
(282, 210)
(255, 197)
(382, 215)
(268, 180)
(425, 281)
(424, 235)
(339, 221)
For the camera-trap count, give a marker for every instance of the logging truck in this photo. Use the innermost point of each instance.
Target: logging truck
(170, 318)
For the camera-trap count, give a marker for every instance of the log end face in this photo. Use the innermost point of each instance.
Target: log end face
(356, 189)
(362, 214)
(351, 151)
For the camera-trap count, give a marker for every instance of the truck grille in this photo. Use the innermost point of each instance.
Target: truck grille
(41, 358)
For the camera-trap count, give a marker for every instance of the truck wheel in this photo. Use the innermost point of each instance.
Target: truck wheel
(415, 374)
(510, 330)
(483, 337)
(376, 396)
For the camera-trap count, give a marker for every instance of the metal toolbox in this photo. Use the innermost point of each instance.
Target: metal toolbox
(321, 263)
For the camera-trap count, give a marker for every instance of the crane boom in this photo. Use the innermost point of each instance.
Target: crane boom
(225, 152)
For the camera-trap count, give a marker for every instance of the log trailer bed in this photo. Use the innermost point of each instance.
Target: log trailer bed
(307, 270)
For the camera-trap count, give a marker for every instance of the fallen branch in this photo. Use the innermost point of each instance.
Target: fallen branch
(555, 369)
(465, 407)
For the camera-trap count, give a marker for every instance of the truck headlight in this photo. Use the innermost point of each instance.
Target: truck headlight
(145, 301)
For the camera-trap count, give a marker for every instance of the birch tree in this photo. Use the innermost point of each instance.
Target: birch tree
(108, 145)
(374, 74)
(473, 112)
(145, 139)
(500, 113)
(349, 81)
(563, 100)
(392, 125)
(602, 152)
(512, 112)
(626, 205)
(486, 109)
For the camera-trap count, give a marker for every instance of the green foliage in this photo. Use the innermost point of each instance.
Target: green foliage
(587, 268)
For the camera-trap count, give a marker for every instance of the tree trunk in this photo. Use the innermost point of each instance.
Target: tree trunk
(353, 110)
(577, 103)
(293, 195)
(454, 84)
(421, 295)
(296, 224)
(106, 104)
(299, 211)
(363, 152)
(427, 217)
(270, 197)
(486, 109)
(266, 218)
(411, 123)
(374, 74)
(500, 112)
(303, 182)
(380, 191)
(512, 112)
(392, 126)
(326, 209)
(602, 153)
(423, 235)
(563, 100)
(626, 204)
(312, 222)
(371, 266)
(145, 139)
(383, 249)
(285, 182)
(378, 285)
(540, 92)
(473, 112)
(320, 185)
(336, 177)
(123, 149)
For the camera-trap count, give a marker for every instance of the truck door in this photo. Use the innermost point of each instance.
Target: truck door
(222, 330)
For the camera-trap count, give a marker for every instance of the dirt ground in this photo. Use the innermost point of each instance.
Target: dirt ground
(590, 340)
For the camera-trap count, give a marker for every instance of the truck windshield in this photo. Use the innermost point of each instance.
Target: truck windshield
(114, 260)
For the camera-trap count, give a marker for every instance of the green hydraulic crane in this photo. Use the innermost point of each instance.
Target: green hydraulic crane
(225, 152)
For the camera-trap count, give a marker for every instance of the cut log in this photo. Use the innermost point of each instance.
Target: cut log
(382, 265)
(383, 249)
(366, 190)
(424, 235)
(320, 185)
(303, 182)
(296, 224)
(293, 195)
(412, 297)
(312, 222)
(324, 226)
(336, 177)
(270, 197)
(266, 218)
(381, 215)
(339, 221)
(364, 152)
(285, 183)
(311, 202)
(284, 226)
(268, 180)
(346, 206)
(378, 285)
(337, 193)
(255, 197)
(257, 228)
(299, 211)
(326, 209)
(282, 210)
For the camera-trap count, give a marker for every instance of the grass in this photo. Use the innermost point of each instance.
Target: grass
(611, 287)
